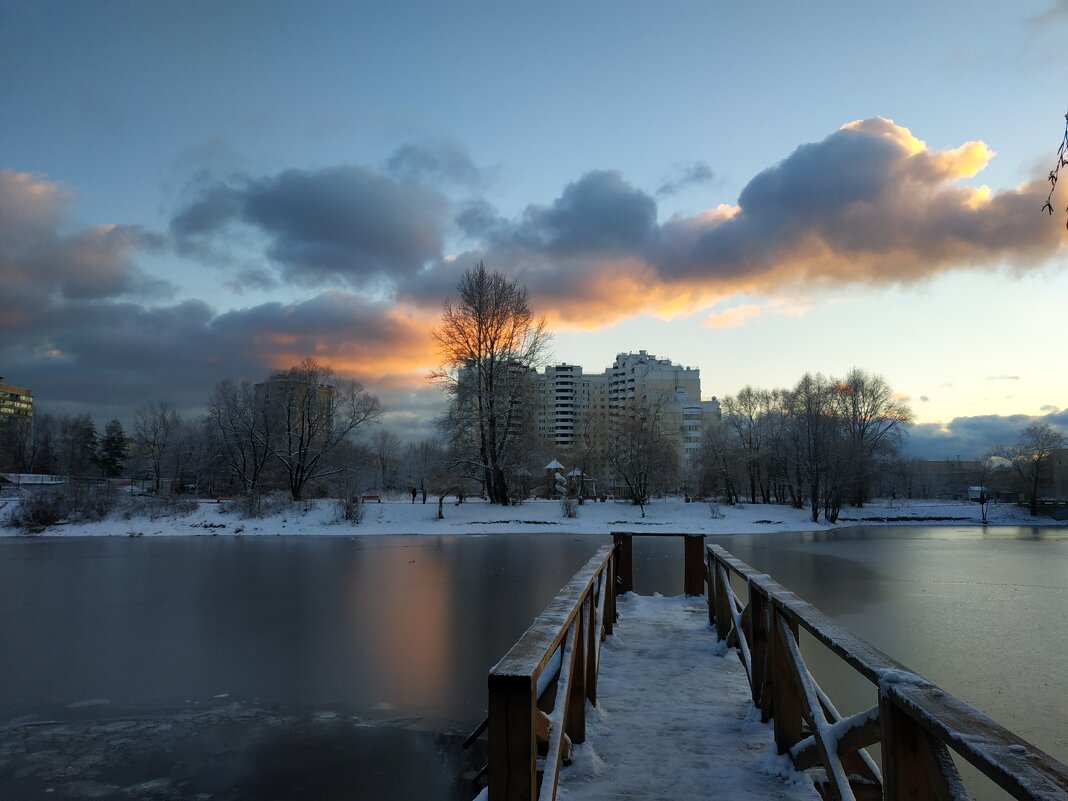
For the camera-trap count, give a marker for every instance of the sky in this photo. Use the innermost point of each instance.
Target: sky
(200, 190)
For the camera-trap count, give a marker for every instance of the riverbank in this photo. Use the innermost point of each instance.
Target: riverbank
(400, 516)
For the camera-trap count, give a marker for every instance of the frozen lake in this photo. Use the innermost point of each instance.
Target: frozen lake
(268, 651)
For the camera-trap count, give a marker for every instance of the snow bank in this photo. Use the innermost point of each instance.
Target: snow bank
(398, 516)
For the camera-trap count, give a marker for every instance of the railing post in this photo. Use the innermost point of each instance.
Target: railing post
(512, 742)
(625, 567)
(693, 583)
(786, 698)
(906, 766)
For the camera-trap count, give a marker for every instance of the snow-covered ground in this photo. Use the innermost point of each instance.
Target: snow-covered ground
(400, 516)
(674, 717)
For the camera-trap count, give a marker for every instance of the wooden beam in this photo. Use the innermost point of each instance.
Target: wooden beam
(512, 742)
(693, 576)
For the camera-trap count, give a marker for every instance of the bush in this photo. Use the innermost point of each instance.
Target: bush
(256, 504)
(350, 509)
(569, 506)
(154, 507)
(76, 502)
(717, 512)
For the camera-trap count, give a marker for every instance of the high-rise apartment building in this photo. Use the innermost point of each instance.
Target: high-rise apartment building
(578, 412)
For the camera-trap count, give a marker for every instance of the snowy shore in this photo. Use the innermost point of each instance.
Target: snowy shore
(400, 516)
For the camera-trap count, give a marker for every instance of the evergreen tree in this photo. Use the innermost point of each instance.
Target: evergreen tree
(112, 453)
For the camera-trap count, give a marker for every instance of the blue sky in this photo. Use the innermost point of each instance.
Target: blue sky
(200, 190)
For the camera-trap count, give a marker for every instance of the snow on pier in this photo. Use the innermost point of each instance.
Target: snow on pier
(674, 718)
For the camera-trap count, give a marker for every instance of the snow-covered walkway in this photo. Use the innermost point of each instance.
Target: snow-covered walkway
(674, 719)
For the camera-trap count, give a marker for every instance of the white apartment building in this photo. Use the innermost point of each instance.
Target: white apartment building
(576, 410)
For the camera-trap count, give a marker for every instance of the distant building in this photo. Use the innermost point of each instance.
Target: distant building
(15, 402)
(578, 412)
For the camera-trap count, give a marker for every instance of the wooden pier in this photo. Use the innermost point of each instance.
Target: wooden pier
(539, 691)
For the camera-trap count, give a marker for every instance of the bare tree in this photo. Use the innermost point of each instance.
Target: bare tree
(874, 422)
(1054, 174)
(154, 428)
(489, 339)
(641, 456)
(384, 447)
(311, 413)
(243, 431)
(1029, 456)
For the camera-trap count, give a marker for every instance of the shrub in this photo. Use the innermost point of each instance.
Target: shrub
(716, 511)
(350, 509)
(569, 506)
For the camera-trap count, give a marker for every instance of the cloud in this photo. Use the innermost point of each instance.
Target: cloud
(924, 399)
(735, 317)
(41, 265)
(344, 223)
(694, 174)
(1002, 378)
(106, 353)
(869, 205)
(973, 437)
(435, 163)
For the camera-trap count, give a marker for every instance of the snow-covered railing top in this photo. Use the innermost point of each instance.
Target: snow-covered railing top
(915, 722)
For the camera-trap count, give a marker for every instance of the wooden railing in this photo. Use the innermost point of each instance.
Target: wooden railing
(915, 723)
(538, 691)
(693, 580)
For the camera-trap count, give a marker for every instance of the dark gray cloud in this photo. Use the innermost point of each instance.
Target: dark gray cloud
(435, 163)
(599, 213)
(86, 329)
(696, 173)
(340, 223)
(973, 437)
(106, 355)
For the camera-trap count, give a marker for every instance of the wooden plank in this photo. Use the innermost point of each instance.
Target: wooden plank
(904, 772)
(786, 703)
(945, 778)
(693, 576)
(512, 742)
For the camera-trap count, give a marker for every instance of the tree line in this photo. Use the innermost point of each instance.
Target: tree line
(815, 444)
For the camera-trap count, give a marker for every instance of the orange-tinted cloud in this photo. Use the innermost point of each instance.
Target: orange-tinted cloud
(871, 204)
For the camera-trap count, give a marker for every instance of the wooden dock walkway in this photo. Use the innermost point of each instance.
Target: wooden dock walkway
(674, 718)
